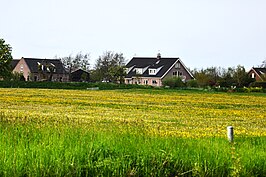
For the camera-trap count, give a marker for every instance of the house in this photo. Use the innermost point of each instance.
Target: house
(80, 75)
(34, 69)
(14, 63)
(257, 73)
(152, 71)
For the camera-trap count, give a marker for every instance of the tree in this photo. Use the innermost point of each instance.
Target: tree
(110, 67)
(46, 70)
(79, 61)
(226, 79)
(263, 65)
(5, 60)
(207, 77)
(241, 77)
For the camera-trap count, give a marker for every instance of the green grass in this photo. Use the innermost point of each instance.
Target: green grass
(85, 133)
(34, 150)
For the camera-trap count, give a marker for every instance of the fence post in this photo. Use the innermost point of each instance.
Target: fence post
(230, 133)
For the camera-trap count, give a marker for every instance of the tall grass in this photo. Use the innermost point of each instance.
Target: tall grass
(31, 150)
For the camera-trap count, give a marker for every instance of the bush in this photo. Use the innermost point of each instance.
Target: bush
(192, 83)
(173, 82)
(68, 85)
(258, 84)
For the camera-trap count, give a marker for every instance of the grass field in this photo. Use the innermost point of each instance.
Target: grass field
(131, 133)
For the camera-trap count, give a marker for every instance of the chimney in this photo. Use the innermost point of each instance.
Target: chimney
(158, 56)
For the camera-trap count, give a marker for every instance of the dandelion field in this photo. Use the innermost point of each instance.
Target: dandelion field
(131, 133)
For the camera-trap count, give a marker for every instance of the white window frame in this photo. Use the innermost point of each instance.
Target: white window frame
(152, 71)
(139, 70)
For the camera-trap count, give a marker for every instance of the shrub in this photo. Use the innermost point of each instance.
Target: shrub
(192, 83)
(258, 84)
(173, 82)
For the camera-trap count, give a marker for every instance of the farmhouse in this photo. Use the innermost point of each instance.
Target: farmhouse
(152, 71)
(257, 73)
(34, 69)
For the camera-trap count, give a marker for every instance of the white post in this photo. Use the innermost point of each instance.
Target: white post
(230, 133)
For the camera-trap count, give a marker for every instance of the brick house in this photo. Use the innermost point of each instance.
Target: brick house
(152, 71)
(34, 69)
(257, 73)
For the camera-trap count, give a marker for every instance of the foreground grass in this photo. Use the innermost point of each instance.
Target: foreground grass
(130, 133)
(29, 151)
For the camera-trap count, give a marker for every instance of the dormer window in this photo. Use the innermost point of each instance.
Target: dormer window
(152, 71)
(139, 71)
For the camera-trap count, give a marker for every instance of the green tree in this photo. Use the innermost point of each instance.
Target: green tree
(79, 61)
(241, 77)
(110, 67)
(207, 77)
(5, 60)
(226, 79)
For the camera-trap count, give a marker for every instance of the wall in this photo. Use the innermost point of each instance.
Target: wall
(23, 68)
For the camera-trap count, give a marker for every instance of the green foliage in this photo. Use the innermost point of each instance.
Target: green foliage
(79, 61)
(173, 82)
(17, 83)
(258, 84)
(252, 89)
(192, 83)
(214, 76)
(41, 149)
(110, 67)
(5, 60)
(15, 76)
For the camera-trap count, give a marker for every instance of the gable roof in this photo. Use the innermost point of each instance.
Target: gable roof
(33, 64)
(260, 71)
(14, 63)
(163, 65)
(150, 63)
(80, 71)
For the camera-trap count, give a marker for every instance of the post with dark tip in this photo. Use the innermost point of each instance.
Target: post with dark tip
(230, 133)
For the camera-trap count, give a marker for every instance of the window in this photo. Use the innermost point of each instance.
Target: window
(175, 73)
(21, 68)
(139, 71)
(152, 71)
(180, 73)
(177, 65)
(154, 82)
(253, 75)
(146, 82)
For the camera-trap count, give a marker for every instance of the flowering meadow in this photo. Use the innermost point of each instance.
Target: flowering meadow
(136, 132)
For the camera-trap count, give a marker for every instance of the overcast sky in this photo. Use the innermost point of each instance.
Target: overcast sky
(202, 33)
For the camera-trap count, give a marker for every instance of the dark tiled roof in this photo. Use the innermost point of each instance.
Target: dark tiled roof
(260, 71)
(150, 63)
(33, 64)
(77, 75)
(14, 63)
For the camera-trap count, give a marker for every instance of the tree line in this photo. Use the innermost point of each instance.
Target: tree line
(110, 67)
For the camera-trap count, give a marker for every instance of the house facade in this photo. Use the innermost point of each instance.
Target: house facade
(34, 69)
(257, 73)
(152, 71)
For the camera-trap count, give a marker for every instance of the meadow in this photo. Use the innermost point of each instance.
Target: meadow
(136, 132)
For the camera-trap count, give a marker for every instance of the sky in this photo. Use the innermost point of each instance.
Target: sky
(202, 33)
